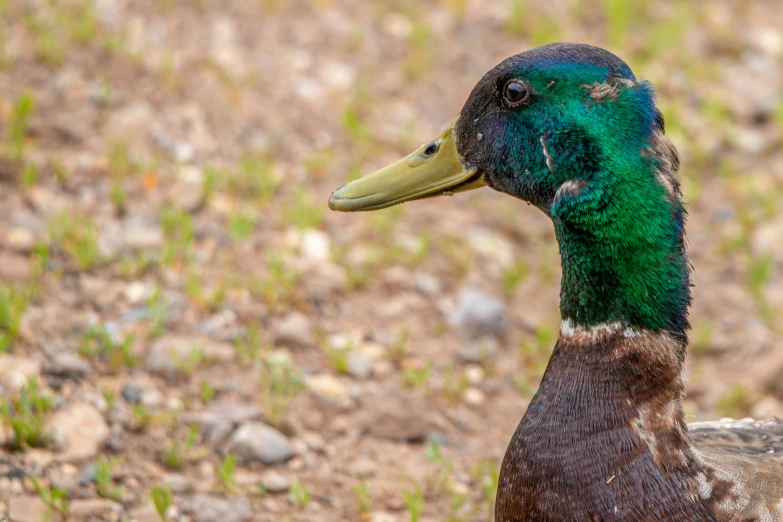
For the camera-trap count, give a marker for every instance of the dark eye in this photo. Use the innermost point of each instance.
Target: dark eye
(515, 93)
(431, 149)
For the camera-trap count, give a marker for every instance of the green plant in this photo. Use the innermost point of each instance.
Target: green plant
(303, 213)
(178, 448)
(180, 234)
(299, 494)
(29, 175)
(13, 303)
(25, 415)
(735, 403)
(279, 384)
(206, 391)
(98, 343)
(418, 376)
(241, 224)
(255, 179)
(190, 363)
(248, 346)
(110, 397)
(78, 237)
(56, 499)
(19, 124)
(159, 313)
(363, 497)
(103, 481)
(414, 502)
(142, 415)
(162, 499)
(513, 276)
(225, 473)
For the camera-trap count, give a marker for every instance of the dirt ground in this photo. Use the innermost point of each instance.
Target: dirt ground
(182, 317)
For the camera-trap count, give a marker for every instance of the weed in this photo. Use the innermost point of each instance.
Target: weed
(78, 238)
(279, 384)
(56, 499)
(180, 234)
(513, 276)
(418, 376)
(29, 175)
(20, 122)
(104, 485)
(363, 497)
(299, 494)
(255, 179)
(225, 473)
(414, 502)
(735, 403)
(159, 313)
(13, 303)
(97, 342)
(110, 397)
(248, 346)
(206, 391)
(242, 223)
(177, 451)
(488, 475)
(420, 53)
(203, 299)
(142, 415)
(25, 416)
(162, 499)
(189, 364)
(303, 213)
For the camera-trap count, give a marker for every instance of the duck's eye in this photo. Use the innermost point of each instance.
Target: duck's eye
(431, 149)
(515, 93)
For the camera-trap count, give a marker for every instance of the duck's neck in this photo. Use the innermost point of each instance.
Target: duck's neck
(605, 426)
(623, 255)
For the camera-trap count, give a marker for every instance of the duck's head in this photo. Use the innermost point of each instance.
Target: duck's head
(569, 129)
(547, 119)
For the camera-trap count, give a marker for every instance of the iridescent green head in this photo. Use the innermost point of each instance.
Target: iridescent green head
(568, 128)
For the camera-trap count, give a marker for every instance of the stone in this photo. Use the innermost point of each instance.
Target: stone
(25, 508)
(208, 508)
(178, 483)
(295, 330)
(137, 292)
(427, 284)
(401, 419)
(315, 245)
(359, 365)
(94, 509)
(479, 314)
(145, 513)
(275, 482)
(20, 239)
(256, 441)
(15, 370)
(187, 193)
(381, 516)
(68, 366)
(219, 419)
(169, 355)
(140, 235)
(473, 396)
(131, 393)
(363, 468)
(79, 430)
(478, 351)
(14, 267)
(329, 390)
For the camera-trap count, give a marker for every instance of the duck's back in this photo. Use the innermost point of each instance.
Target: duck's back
(744, 463)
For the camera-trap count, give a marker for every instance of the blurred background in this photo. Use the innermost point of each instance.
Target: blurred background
(182, 319)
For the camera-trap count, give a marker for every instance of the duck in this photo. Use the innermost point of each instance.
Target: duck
(570, 130)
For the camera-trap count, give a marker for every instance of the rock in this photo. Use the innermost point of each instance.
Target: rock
(187, 193)
(219, 419)
(131, 393)
(359, 365)
(145, 513)
(178, 483)
(478, 351)
(68, 366)
(20, 239)
(208, 508)
(401, 419)
(79, 430)
(13, 267)
(427, 284)
(295, 330)
(474, 396)
(137, 292)
(169, 355)
(490, 245)
(256, 441)
(29, 509)
(275, 482)
(140, 235)
(315, 245)
(363, 468)
(15, 371)
(95, 509)
(328, 389)
(382, 516)
(480, 314)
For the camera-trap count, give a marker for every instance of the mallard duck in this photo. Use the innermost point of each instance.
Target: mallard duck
(569, 129)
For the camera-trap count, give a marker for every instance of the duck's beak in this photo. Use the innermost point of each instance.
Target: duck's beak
(435, 169)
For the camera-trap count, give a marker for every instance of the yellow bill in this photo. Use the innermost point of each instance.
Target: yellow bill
(435, 169)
